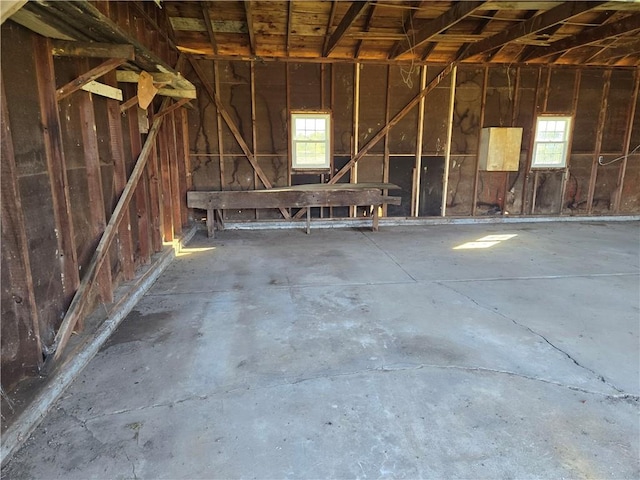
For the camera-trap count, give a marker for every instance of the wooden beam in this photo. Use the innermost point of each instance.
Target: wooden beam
(171, 108)
(447, 152)
(355, 10)
(332, 16)
(182, 140)
(116, 144)
(94, 73)
(103, 90)
(599, 134)
(207, 22)
(588, 36)
(399, 116)
(551, 17)
(407, 25)
(128, 104)
(482, 24)
(79, 302)
(166, 199)
(56, 165)
(14, 244)
(61, 48)
(289, 18)
(252, 37)
(476, 174)
(367, 27)
(176, 200)
(233, 127)
(182, 88)
(418, 168)
(452, 16)
(9, 7)
(219, 121)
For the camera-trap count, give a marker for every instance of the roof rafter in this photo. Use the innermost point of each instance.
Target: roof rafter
(452, 16)
(588, 36)
(546, 19)
(367, 27)
(252, 37)
(407, 24)
(207, 22)
(355, 10)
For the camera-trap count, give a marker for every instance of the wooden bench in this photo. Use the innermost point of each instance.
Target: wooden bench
(299, 196)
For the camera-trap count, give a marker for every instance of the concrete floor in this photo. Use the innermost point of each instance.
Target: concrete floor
(343, 354)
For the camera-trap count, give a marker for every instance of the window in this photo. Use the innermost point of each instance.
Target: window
(310, 140)
(551, 143)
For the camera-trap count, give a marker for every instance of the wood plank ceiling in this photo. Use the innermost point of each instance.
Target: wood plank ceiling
(572, 32)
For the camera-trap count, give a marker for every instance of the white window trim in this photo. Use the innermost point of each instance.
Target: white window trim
(567, 133)
(326, 165)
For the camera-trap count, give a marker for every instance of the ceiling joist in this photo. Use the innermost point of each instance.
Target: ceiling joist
(207, 23)
(588, 36)
(547, 19)
(452, 16)
(355, 10)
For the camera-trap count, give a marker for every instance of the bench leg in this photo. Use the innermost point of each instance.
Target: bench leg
(374, 227)
(308, 220)
(211, 223)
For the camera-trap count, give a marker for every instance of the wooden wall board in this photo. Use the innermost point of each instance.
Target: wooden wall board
(460, 187)
(405, 85)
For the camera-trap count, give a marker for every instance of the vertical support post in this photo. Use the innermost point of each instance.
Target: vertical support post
(186, 156)
(447, 155)
(353, 210)
(56, 165)
(211, 223)
(515, 99)
(94, 187)
(119, 182)
(172, 158)
(165, 184)
(385, 165)
(476, 175)
(216, 86)
(527, 172)
(288, 98)
(376, 217)
(423, 85)
(598, 146)
(252, 81)
(574, 108)
(627, 141)
(308, 220)
(14, 242)
(181, 163)
(155, 198)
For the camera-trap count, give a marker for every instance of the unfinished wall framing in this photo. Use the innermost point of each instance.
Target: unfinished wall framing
(363, 98)
(67, 158)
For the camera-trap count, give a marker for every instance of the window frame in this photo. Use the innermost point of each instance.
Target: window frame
(311, 114)
(568, 119)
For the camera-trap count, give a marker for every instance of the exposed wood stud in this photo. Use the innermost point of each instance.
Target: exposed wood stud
(254, 144)
(16, 249)
(172, 108)
(353, 178)
(94, 188)
(385, 166)
(588, 36)
(216, 80)
(186, 161)
(476, 174)
(599, 133)
(355, 10)
(546, 90)
(249, 14)
(56, 165)
(166, 197)
(89, 76)
(62, 48)
(399, 116)
(143, 219)
(79, 303)
(174, 170)
(419, 136)
(447, 153)
(457, 12)
(546, 19)
(233, 127)
(574, 108)
(155, 195)
(527, 171)
(627, 141)
(207, 21)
